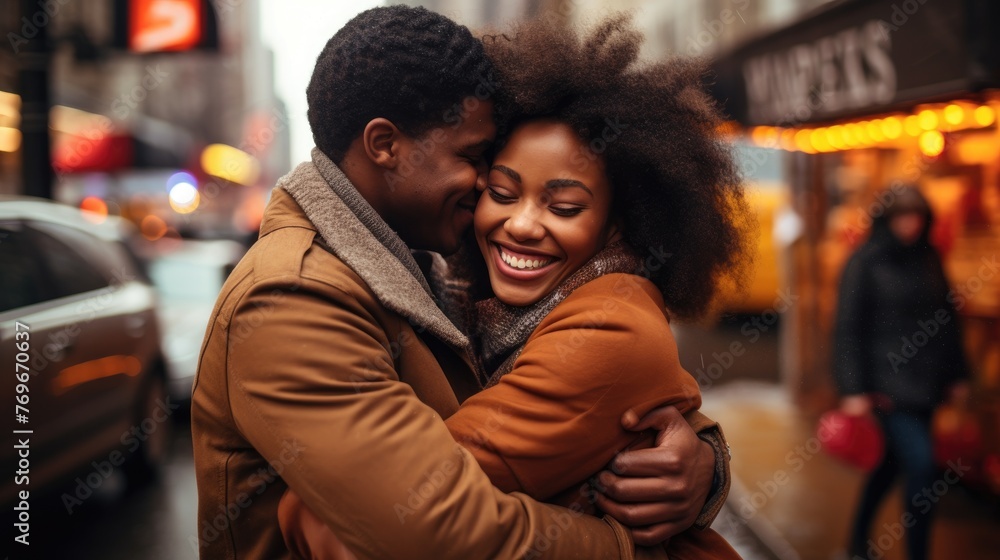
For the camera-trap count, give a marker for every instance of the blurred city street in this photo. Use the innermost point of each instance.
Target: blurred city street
(155, 521)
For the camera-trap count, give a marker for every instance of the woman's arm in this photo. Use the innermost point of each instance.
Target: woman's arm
(553, 421)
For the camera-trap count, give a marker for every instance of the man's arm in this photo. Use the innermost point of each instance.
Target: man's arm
(376, 465)
(680, 482)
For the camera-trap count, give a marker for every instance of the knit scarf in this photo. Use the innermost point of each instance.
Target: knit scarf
(504, 329)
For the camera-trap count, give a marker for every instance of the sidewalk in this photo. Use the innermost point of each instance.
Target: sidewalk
(799, 502)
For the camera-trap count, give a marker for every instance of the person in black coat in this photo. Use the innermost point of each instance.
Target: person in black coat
(897, 342)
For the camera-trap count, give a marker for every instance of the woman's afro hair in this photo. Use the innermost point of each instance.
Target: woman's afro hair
(678, 190)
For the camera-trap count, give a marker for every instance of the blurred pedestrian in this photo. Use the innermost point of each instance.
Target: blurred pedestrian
(897, 353)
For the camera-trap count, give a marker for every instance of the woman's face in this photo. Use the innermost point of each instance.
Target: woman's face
(546, 211)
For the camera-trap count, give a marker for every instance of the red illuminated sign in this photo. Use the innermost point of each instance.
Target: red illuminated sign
(164, 25)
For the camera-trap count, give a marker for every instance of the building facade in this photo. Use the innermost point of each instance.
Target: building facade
(123, 121)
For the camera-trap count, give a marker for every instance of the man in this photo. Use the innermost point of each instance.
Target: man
(328, 365)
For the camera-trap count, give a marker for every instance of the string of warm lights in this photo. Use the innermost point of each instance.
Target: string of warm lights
(926, 125)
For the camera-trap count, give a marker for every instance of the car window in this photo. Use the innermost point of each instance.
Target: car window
(21, 281)
(69, 271)
(106, 257)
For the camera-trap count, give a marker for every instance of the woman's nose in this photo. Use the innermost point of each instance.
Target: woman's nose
(523, 224)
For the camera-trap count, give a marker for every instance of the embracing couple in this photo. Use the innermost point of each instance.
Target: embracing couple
(452, 338)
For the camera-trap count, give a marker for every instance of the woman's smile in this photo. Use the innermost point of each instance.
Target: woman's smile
(522, 264)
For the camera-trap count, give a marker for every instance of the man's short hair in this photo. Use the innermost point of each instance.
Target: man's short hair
(408, 65)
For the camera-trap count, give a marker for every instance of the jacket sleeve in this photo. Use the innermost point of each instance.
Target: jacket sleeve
(555, 419)
(712, 434)
(313, 369)
(850, 371)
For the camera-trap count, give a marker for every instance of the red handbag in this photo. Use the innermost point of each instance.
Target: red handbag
(856, 440)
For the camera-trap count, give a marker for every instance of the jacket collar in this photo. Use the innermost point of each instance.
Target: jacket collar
(352, 230)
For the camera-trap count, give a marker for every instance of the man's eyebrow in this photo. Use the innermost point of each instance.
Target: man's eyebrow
(508, 172)
(564, 183)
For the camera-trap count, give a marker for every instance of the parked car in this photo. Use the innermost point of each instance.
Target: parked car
(188, 277)
(97, 386)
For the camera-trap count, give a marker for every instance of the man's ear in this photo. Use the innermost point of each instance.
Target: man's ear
(381, 140)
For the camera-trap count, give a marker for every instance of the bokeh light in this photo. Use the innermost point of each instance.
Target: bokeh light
(10, 139)
(892, 127)
(230, 164)
(184, 198)
(928, 119)
(931, 143)
(179, 178)
(953, 114)
(984, 115)
(95, 209)
(153, 227)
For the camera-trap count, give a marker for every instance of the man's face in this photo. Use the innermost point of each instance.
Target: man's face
(433, 192)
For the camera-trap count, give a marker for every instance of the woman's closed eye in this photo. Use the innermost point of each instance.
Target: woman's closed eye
(500, 195)
(566, 211)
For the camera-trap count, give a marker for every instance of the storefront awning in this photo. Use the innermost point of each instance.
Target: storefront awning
(859, 57)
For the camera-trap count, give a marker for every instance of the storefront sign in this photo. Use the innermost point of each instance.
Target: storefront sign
(157, 26)
(861, 57)
(852, 69)
(164, 25)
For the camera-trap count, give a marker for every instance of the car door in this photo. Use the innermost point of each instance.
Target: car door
(89, 343)
(26, 293)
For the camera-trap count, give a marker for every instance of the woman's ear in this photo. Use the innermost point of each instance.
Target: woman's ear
(381, 142)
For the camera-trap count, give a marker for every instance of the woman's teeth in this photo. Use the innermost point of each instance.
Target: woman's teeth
(526, 264)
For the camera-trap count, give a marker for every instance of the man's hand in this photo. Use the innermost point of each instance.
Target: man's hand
(305, 534)
(660, 491)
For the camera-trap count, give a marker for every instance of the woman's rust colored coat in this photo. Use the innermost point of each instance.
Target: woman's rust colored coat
(548, 425)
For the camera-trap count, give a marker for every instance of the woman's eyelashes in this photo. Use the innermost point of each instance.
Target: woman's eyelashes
(566, 211)
(501, 196)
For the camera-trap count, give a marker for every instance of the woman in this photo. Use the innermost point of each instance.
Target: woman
(609, 201)
(892, 287)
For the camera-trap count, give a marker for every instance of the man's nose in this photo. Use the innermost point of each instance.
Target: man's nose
(481, 179)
